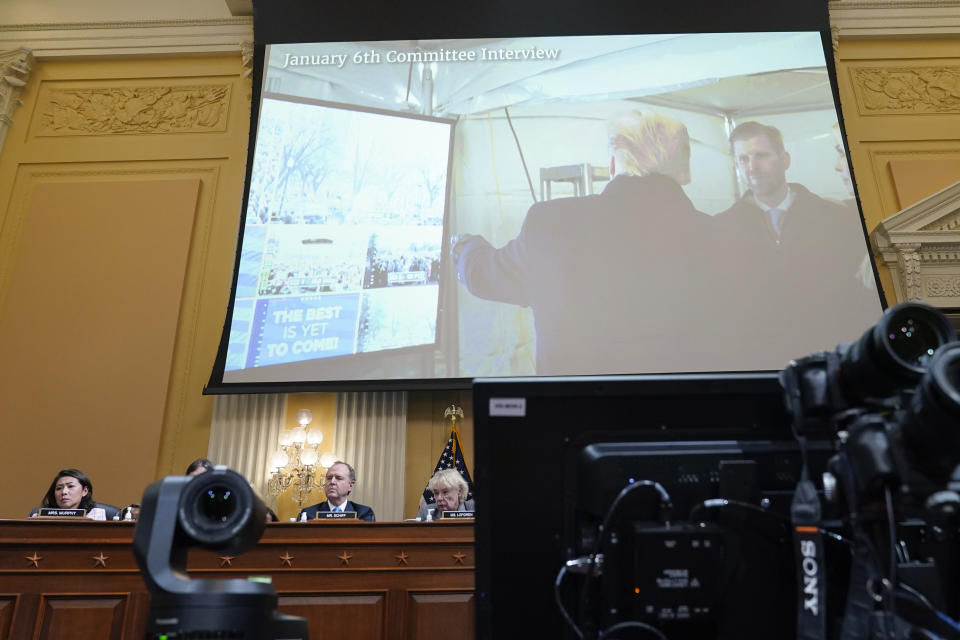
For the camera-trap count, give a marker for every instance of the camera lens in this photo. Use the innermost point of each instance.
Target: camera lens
(218, 509)
(945, 376)
(912, 337)
(894, 353)
(930, 427)
(218, 503)
(948, 372)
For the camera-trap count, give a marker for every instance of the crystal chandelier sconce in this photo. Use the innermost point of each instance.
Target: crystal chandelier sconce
(298, 460)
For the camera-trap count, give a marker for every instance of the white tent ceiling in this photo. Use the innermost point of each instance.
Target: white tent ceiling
(731, 74)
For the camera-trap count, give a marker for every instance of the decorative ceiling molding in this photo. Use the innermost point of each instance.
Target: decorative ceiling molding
(895, 18)
(118, 39)
(848, 18)
(921, 247)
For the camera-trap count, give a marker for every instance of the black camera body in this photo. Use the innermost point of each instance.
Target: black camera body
(846, 525)
(219, 511)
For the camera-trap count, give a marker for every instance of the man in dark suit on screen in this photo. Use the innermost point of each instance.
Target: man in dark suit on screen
(796, 259)
(340, 481)
(613, 279)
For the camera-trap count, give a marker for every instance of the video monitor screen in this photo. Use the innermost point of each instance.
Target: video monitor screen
(584, 439)
(438, 210)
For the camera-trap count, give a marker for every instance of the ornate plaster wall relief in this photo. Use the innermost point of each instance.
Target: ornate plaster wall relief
(246, 57)
(898, 90)
(15, 67)
(161, 109)
(908, 259)
(942, 287)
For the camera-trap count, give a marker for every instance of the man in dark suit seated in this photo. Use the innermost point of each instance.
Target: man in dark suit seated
(339, 483)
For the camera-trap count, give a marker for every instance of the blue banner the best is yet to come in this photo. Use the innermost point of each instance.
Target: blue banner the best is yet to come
(300, 328)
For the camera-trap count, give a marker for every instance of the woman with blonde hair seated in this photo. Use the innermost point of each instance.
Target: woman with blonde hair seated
(450, 491)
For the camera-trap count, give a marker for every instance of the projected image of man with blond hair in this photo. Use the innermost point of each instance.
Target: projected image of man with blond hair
(648, 145)
(592, 268)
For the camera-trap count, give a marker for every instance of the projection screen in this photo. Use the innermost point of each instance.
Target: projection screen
(377, 163)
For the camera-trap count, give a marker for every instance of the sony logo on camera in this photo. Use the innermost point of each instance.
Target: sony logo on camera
(811, 577)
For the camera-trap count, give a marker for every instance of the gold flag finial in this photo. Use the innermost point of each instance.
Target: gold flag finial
(454, 413)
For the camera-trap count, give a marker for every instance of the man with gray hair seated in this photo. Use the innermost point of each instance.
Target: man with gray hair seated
(340, 480)
(450, 492)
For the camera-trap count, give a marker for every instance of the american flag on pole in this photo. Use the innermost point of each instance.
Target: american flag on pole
(451, 458)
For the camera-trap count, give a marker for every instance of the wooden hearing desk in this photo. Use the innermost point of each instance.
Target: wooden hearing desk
(78, 580)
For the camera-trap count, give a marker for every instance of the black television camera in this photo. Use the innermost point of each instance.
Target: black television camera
(893, 400)
(850, 529)
(215, 510)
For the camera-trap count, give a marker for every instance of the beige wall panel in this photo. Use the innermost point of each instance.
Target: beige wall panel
(914, 180)
(879, 190)
(200, 136)
(904, 48)
(87, 332)
(901, 108)
(886, 157)
(427, 433)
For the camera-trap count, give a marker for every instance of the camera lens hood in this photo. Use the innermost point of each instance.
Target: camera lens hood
(944, 377)
(931, 425)
(895, 352)
(218, 509)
